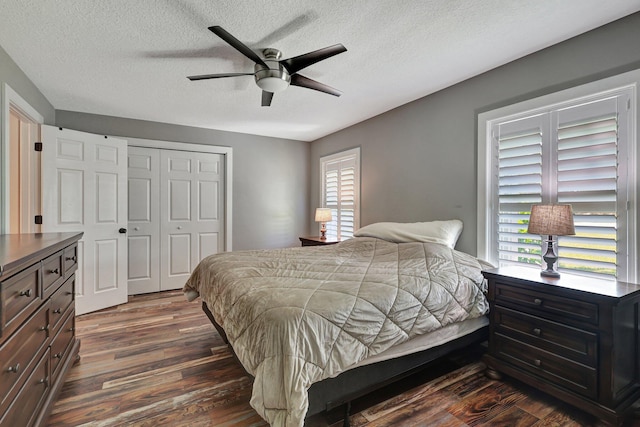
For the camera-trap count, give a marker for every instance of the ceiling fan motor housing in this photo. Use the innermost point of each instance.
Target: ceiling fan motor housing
(275, 78)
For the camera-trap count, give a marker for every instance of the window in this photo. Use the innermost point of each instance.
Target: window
(579, 152)
(340, 178)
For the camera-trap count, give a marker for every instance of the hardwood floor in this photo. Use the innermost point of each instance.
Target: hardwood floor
(157, 361)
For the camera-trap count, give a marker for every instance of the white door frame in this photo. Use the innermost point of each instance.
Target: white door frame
(202, 148)
(10, 98)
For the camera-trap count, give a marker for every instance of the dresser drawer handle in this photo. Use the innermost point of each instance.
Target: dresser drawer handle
(537, 301)
(537, 331)
(537, 362)
(71, 258)
(43, 328)
(71, 329)
(44, 381)
(26, 293)
(57, 311)
(14, 369)
(54, 271)
(57, 356)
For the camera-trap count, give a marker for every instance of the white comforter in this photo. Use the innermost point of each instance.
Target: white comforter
(296, 316)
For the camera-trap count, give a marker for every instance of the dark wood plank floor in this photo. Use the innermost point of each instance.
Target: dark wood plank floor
(157, 361)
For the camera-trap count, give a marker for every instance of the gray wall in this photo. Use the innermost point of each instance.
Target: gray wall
(418, 161)
(270, 175)
(11, 74)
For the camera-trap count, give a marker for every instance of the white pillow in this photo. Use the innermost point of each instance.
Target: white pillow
(445, 232)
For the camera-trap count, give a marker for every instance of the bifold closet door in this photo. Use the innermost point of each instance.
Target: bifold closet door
(191, 210)
(143, 220)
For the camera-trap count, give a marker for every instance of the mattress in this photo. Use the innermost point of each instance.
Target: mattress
(427, 341)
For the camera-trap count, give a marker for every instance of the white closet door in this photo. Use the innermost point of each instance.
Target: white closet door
(144, 220)
(84, 188)
(191, 208)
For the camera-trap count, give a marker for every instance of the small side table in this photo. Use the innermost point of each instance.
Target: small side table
(575, 338)
(317, 241)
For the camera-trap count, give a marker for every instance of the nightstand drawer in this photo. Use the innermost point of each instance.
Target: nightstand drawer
(566, 341)
(559, 370)
(557, 306)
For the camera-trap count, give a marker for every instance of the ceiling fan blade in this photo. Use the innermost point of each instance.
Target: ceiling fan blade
(297, 63)
(217, 76)
(237, 44)
(266, 98)
(302, 81)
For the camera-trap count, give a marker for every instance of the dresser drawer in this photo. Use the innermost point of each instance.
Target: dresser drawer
(573, 343)
(27, 404)
(52, 274)
(17, 354)
(61, 343)
(555, 369)
(70, 259)
(557, 307)
(60, 301)
(20, 295)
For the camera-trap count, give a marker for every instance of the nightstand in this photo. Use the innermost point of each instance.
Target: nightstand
(317, 241)
(575, 338)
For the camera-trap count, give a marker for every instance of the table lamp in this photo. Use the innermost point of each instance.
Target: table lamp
(323, 215)
(551, 220)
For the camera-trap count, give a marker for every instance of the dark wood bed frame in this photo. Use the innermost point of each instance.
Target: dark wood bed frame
(341, 390)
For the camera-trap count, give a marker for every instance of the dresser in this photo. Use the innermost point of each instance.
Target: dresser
(575, 338)
(37, 323)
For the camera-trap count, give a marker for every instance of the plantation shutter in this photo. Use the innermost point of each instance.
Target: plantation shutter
(587, 175)
(566, 156)
(520, 172)
(340, 193)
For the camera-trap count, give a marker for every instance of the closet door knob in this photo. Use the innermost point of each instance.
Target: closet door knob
(122, 231)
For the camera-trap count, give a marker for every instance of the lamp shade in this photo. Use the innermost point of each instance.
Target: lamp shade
(551, 220)
(323, 215)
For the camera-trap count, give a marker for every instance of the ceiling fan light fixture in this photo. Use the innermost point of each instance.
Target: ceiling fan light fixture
(272, 84)
(273, 78)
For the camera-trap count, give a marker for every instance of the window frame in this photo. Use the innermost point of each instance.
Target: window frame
(352, 153)
(487, 208)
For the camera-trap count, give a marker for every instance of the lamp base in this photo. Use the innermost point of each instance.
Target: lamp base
(550, 273)
(550, 258)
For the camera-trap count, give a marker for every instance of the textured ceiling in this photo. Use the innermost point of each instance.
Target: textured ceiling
(130, 58)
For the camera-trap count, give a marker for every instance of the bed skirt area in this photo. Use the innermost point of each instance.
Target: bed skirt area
(332, 393)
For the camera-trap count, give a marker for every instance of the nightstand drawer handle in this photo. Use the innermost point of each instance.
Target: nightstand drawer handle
(537, 331)
(537, 362)
(537, 301)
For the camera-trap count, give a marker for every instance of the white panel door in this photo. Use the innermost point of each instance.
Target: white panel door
(84, 188)
(144, 220)
(191, 209)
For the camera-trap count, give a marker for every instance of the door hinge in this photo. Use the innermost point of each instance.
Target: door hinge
(38, 146)
(38, 219)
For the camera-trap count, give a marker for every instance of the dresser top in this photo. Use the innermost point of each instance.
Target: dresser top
(608, 288)
(18, 250)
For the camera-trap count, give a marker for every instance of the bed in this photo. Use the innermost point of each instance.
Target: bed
(319, 326)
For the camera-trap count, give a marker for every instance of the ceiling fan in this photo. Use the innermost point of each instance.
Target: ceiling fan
(273, 74)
